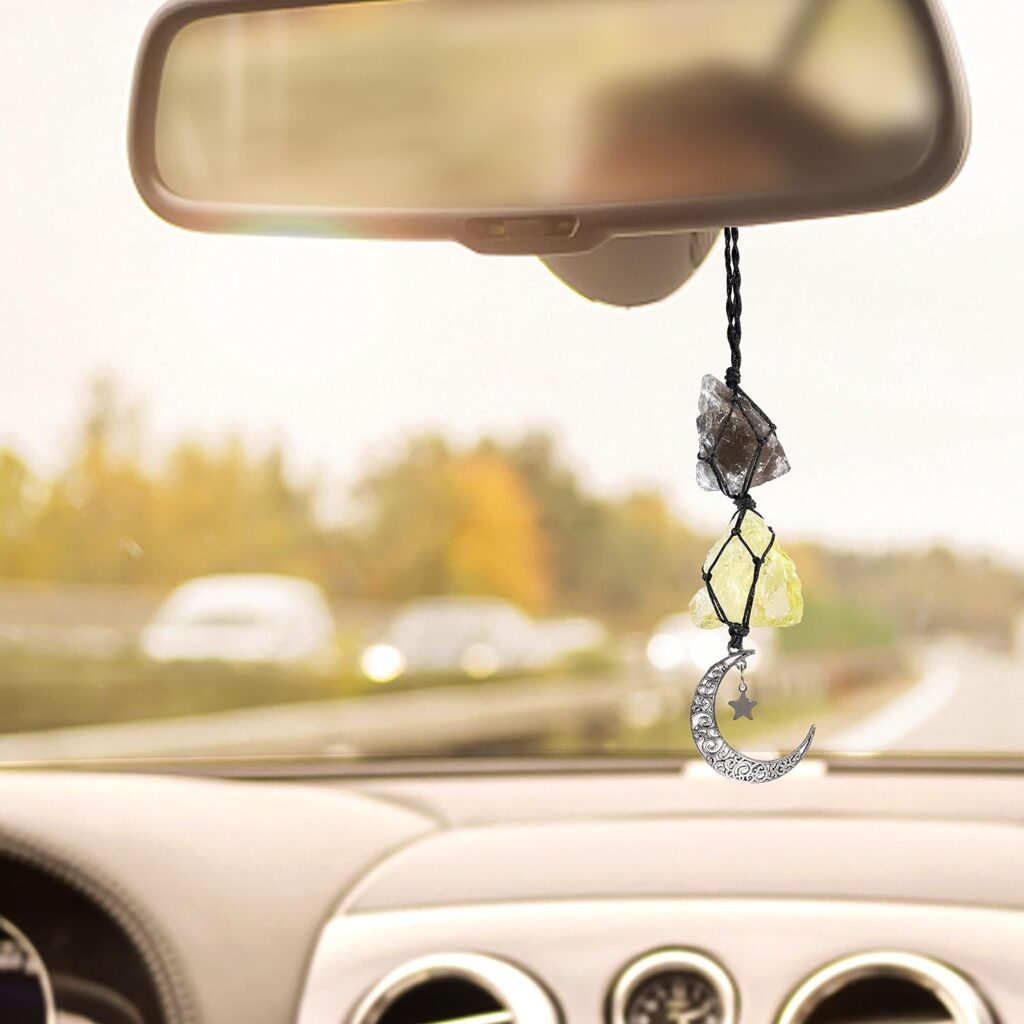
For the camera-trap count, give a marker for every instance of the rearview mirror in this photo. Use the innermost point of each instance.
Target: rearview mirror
(541, 126)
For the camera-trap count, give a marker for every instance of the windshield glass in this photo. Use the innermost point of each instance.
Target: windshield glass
(307, 496)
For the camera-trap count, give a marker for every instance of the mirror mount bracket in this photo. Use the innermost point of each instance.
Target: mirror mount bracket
(634, 270)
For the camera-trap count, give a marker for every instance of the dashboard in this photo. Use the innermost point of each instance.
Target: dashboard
(535, 897)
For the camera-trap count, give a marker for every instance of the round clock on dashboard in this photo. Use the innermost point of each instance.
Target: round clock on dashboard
(672, 985)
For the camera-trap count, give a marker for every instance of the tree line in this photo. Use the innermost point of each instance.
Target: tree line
(510, 519)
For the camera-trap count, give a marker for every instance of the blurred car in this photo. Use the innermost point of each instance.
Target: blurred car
(267, 619)
(677, 646)
(476, 637)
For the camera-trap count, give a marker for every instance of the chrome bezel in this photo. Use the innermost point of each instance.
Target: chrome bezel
(525, 998)
(42, 973)
(956, 993)
(663, 961)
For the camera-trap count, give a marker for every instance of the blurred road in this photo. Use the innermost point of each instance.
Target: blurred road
(469, 716)
(967, 699)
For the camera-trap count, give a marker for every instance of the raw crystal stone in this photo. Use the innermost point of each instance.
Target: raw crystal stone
(729, 428)
(778, 600)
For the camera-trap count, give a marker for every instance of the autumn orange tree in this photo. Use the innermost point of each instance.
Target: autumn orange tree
(513, 520)
(629, 559)
(436, 520)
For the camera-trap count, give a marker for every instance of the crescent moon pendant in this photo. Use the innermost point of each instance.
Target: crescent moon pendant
(713, 748)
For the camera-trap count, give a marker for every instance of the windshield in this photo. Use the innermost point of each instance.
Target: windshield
(306, 496)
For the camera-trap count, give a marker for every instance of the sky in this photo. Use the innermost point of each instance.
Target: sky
(885, 346)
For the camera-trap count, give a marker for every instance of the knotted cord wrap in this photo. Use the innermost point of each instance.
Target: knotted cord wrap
(745, 504)
(738, 631)
(738, 408)
(737, 634)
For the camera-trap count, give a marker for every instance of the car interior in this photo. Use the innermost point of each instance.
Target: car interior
(419, 752)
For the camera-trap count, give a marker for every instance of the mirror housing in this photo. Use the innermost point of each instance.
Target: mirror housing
(711, 107)
(630, 271)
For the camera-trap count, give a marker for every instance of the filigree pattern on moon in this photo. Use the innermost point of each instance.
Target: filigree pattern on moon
(713, 747)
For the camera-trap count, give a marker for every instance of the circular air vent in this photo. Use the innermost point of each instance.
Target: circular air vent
(886, 988)
(456, 988)
(673, 984)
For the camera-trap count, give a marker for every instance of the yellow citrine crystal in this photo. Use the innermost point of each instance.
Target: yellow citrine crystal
(778, 600)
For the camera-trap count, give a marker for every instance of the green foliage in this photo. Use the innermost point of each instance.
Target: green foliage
(629, 560)
(16, 512)
(405, 519)
(919, 593)
(222, 509)
(838, 625)
(53, 690)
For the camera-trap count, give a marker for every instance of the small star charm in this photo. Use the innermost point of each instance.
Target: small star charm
(743, 706)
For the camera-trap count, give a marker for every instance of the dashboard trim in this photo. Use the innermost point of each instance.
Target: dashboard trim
(576, 948)
(304, 767)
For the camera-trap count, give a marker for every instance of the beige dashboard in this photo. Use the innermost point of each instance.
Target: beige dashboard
(277, 901)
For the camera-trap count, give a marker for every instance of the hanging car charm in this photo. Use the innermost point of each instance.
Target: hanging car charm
(748, 578)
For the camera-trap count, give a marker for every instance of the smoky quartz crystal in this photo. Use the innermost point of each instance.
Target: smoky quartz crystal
(738, 447)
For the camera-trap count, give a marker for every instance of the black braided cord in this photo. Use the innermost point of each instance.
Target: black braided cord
(733, 306)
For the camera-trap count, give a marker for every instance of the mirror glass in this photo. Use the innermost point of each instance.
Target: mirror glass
(541, 104)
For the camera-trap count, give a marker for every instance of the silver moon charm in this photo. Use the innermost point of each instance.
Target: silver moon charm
(713, 748)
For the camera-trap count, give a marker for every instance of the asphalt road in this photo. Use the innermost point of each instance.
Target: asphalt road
(967, 699)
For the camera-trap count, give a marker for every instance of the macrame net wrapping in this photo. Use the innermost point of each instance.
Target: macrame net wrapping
(739, 448)
(737, 452)
(738, 630)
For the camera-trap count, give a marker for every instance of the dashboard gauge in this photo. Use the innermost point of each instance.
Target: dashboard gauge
(675, 997)
(673, 986)
(25, 993)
